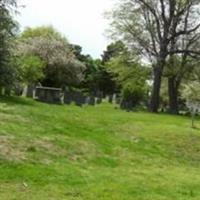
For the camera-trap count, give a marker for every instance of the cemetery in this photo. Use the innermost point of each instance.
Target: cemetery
(58, 96)
(49, 95)
(55, 150)
(99, 100)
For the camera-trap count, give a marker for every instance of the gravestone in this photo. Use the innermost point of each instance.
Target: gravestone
(87, 100)
(126, 105)
(30, 91)
(99, 94)
(99, 97)
(68, 97)
(110, 98)
(91, 101)
(76, 97)
(49, 95)
(118, 100)
(18, 91)
(98, 100)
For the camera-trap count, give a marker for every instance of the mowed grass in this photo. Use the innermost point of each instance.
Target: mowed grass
(52, 152)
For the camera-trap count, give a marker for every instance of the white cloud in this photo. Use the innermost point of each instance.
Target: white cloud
(81, 21)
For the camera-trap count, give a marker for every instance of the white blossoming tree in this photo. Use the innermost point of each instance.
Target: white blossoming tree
(61, 66)
(191, 93)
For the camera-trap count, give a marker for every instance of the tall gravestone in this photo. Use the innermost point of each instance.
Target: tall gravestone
(30, 91)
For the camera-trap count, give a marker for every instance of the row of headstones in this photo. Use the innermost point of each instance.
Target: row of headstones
(80, 99)
(56, 95)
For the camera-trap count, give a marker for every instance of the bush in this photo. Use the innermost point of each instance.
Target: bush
(132, 96)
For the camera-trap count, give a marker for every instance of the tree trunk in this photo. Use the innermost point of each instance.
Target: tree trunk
(155, 96)
(173, 95)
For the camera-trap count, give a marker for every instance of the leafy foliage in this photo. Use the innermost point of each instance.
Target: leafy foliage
(8, 28)
(191, 91)
(96, 77)
(48, 32)
(62, 68)
(131, 76)
(30, 69)
(156, 30)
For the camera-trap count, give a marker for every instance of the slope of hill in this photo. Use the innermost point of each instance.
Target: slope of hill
(52, 152)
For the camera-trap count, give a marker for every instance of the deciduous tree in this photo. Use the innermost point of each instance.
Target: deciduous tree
(8, 28)
(61, 66)
(150, 27)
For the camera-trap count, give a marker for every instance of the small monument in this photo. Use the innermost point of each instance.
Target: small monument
(49, 95)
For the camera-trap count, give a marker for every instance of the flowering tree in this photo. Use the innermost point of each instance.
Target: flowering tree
(61, 66)
(191, 93)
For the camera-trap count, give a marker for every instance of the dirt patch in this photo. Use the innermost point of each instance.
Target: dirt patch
(8, 152)
(44, 150)
(82, 151)
(21, 149)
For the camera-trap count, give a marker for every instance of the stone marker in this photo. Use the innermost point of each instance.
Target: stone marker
(49, 95)
(68, 97)
(98, 100)
(110, 98)
(91, 100)
(79, 98)
(76, 97)
(126, 105)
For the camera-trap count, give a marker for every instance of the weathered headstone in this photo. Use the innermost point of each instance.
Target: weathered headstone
(68, 97)
(110, 98)
(99, 94)
(87, 100)
(126, 105)
(49, 95)
(30, 91)
(18, 90)
(91, 101)
(98, 100)
(79, 98)
(118, 100)
(74, 96)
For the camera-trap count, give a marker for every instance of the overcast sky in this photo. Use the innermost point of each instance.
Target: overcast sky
(81, 21)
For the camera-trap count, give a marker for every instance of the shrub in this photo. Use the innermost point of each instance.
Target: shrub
(132, 96)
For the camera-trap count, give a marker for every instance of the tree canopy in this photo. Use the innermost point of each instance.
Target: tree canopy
(154, 30)
(62, 68)
(8, 29)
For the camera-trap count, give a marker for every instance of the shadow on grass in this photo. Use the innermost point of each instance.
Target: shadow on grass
(195, 128)
(13, 100)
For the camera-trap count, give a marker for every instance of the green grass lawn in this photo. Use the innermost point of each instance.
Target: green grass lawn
(52, 152)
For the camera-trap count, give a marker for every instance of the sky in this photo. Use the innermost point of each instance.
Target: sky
(81, 21)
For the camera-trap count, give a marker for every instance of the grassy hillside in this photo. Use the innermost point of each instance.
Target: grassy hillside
(50, 152)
